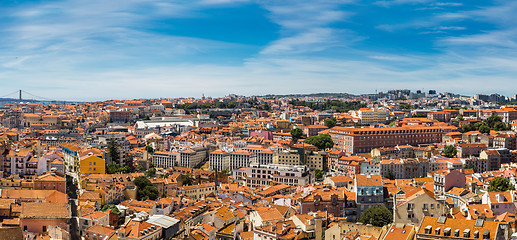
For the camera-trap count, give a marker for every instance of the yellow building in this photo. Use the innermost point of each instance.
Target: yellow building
(92, 165)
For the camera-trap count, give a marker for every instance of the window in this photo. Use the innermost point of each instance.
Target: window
(44, 228)
(94, 163)
(25, 228)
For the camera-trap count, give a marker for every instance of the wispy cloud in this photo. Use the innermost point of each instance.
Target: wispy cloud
(305, 25)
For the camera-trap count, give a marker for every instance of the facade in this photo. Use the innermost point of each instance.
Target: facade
(362, 140)
(449, 228)
(190, 158)
(197, 191)
(507, 114)
(416, 205)
(266, 156)
(134, 230)
(38, 217)
(219, 160)
(166, 159)
(404, 151)
(120, 116)
(368, 191)
(500, 202)
(241, 158)
(402, 168)
(372, 116)
(439, 116)
(332, 201)
(19, 162)
(92, 165)
(51, 181)
(313, 130)
(71, 156)
(446, 179)
(263, 175)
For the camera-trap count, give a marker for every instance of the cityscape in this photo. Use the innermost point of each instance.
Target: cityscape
(258, 120)
(398, 164)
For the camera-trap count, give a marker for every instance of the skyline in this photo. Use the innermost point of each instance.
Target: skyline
(97, 50)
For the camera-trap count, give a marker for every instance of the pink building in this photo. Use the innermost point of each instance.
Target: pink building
(446, 179)
(37, 217)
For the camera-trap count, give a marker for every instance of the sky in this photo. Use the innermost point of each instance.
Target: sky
(125, 49)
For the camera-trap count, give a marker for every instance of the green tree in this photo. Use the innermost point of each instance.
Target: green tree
(112, 168)
(113, 150)
(389, 175)
(500, 184)
(322, 141)
(111, 207)
(145, 189)
(149, 149)
(296, 133)
(330, 122)
(470, 166)
(188, 179)
(405, 106)
(419, 115)
(377, 216)
(449, 151)
(151, 172)
(149, 192)
(318, 174)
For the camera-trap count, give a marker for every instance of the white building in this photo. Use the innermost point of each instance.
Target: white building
(219, 160)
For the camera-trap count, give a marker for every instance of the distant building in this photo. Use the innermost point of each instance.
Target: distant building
(361, 140)
(263, 175)
(368, 190)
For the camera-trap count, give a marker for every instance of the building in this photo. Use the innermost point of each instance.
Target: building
(263, 175)
(368, 191)
(362, 140)
(196, 191)
(71, 156)
(135, 230)
(241, 158)
(493, 158)
(18, 162)
(267, 156)
(415, 205)
(51, 181)
(38, 217)
(439, 116)
(446, 179)
(313, 130)
(500, 202)
(91, 164)
(120, 116)
(192, 157)
(166, 159)
(219, 160)
(470, 149)
(449, 228)
(332, 201)
(403, 168)
(404, 151)
(507, 114)
(94, 218)
(372, 116)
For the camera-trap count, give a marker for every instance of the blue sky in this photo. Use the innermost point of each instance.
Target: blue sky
(97, 49)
